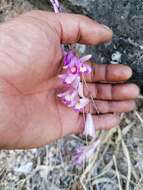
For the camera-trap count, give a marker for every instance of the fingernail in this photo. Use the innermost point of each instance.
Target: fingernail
(107, 28)
(127, 71)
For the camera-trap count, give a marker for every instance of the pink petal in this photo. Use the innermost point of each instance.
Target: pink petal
(80, 90)
(65, 67)
(79, 155)
(72, 103)
(79, 160)
(74, 69)
(84, 68)
(68, 78)
(62, 76)
(68, 95)
(64, 101)
(71, 96)
(68, 57)
(76, 83)
(81, 104)
(89, 126)
(89, 69)
(62, 94)
(83, 153)
(85, 58)
(57, 3)
(73, 66)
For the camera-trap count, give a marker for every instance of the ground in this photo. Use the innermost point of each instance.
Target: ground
(118, 162)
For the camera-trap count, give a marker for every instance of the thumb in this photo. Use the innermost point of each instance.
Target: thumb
(74, 28)
(81, 29)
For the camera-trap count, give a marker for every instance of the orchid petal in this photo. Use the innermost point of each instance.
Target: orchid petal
(68, 57)
(76, 83)
(83, 153)
(73, 65)
(56, 8)
(68, 95)
(68, 78)
(89, 69)
(57, 3)
(72, 103)
(62, 76)
(85, 58)
(60, 95)
(80, 90)
(81, 104)
(84, 68)
(71, 96)
(89, 126)
(79, 156)
(63, 94)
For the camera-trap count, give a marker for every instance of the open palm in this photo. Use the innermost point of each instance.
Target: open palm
(30, 61)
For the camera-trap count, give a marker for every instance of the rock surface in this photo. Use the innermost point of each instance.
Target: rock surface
(125, 17)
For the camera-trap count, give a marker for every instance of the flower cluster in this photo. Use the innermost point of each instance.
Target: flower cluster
(83, 153)
(74, 67)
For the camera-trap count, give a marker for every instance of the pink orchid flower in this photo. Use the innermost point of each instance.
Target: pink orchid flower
(75, 64)
(83, 153)
(68, 78)
(74, 67)
(85, 58)
(68, 96)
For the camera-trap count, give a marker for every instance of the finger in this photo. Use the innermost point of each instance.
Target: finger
(110, 106)
(109, 73)
(77, 28)
(111, 92)
(105, 122)
(72, 28)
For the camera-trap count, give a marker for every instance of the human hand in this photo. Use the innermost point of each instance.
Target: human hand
(31, 115)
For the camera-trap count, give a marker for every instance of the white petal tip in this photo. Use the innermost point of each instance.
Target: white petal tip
(89, 126)
(86, 58)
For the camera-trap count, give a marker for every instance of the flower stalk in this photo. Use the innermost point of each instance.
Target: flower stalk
(74, 67)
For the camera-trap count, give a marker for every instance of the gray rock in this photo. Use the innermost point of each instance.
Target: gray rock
(125, 17)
